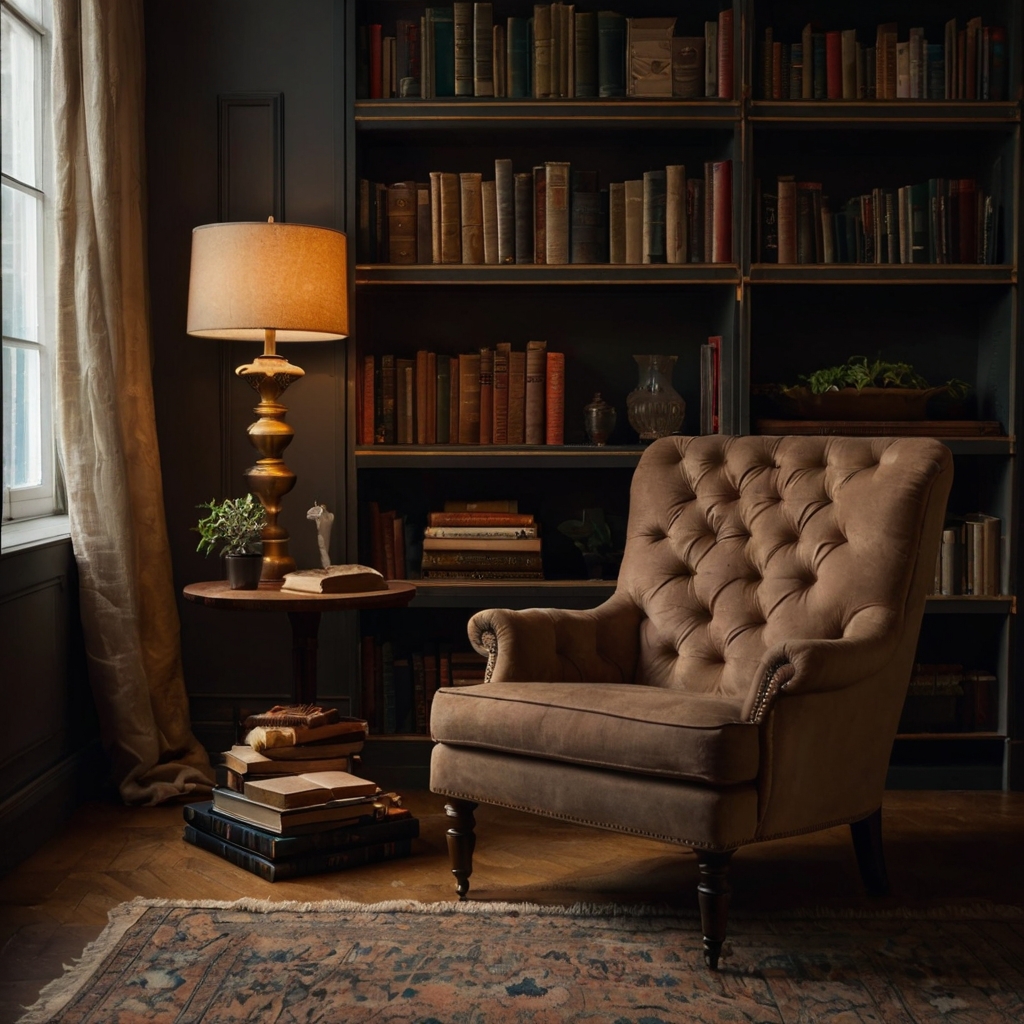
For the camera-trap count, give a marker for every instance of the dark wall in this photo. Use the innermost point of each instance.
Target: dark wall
(201, 54)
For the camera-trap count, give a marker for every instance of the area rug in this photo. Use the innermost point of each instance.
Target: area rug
(478, 963)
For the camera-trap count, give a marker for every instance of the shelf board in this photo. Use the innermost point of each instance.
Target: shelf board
(540, 273)
(960, 604)
(475, 456)
(882, 273)
(951, 736)
(956, 114)
(511, 593)
(504, 114)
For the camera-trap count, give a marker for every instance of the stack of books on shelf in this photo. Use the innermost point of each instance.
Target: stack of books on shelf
(969, 64)
(946, 698)
(399, 681)
(550, 214)
(460, 50)
(942, 220)
(492, 396)
(290, 805)
(489, 540)
(969, 556)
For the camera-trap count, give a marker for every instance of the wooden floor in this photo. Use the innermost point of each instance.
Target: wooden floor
(941, 848)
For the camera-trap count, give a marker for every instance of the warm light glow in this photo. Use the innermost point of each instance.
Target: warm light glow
(251, 277)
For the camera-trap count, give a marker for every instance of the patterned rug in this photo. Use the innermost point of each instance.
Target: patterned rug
(479, 963)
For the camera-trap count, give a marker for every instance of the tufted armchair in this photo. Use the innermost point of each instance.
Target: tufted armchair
(745, 680)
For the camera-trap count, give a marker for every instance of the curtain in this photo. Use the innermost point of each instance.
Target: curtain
(107, 426)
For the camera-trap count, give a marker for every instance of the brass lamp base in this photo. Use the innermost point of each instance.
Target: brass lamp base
(270, 479)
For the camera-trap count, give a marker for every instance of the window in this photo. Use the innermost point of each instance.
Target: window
(29, 459)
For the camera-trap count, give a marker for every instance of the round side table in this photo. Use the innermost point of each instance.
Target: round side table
(304, 613)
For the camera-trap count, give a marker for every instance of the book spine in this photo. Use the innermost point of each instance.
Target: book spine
(483, 49)
(454, 534)
(633, 210)
(472, 217)
(617, 222)
(522, 560)
(787, 220)
(363, 220)
(769, 226)
(711, 59)
(376, 63)
(454, 401)
(431, 392)
(543, 41)
(469, 399)
(451, 224)
(848, 56)
(587, 222)
(556, 216)
(521, 544)
(401, 204)
(523, 218)
(818, 42)
(721, 250)
(725, 54)
(479, 519)
(387, 387)
(517, 398)
(505, 211)
(368, 706)
(516, 43)
(540, 212)
(709, 210)
(807, 49)
(695, 218)
(688, 67)
(611, 54)
(486, 396)
(675, 213)
(536, 365)
(421, 396)
(586, 76)
(424, 227)
(554, 399)
(500, 414)
(436, 232)
(654, 201)
(366, 412)
(443, 393)
(489, 204)
(379, 228)
(481, 574)
(834, 65)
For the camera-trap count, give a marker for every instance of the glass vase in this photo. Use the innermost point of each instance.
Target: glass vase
(655, 409)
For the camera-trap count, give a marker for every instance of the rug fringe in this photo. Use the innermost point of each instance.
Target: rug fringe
(55, 995)
(967, 911)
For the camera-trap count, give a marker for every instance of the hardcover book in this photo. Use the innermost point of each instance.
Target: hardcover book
(335, 579)
(308, 789)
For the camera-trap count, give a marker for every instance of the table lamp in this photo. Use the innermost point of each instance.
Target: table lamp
(269, 282)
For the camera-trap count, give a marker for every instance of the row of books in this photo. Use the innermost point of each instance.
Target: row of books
(558, 53)
(969, 64)
(497, 542)
(289, 804)
(948, 698)
(399, 681)
(494, 396)
(942, 220)
(969, 556)
(551, 214)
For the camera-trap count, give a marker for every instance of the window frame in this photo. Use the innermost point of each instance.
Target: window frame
(44, 499)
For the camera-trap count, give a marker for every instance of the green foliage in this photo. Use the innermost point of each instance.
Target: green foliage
(236, 523)
(858, 372)
(592, 533)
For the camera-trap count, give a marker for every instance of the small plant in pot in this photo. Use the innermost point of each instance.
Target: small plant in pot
(236, 525)
(595, 535)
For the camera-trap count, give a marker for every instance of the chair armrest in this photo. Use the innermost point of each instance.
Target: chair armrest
(814, 666)
(554, 645)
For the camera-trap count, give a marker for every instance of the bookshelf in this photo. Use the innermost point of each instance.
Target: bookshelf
(777, 321)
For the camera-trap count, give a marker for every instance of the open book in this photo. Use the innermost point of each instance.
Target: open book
(306, 790)
(335, 579)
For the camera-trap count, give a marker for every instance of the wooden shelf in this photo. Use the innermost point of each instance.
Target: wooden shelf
(883, 273)
(511, 593)
(951, 736)
(875, 114)
(469, 113)
(604, 274)
(962, 604)
(470, 456)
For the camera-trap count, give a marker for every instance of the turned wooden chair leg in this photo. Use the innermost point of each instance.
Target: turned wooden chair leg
(713, 896)
(867, 844)
(461, 841)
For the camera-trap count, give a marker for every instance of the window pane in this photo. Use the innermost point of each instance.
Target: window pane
(31, 8)
(23, 441)
(19, 85)
(21, 264)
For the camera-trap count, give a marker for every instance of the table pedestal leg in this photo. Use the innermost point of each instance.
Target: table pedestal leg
(305, 626)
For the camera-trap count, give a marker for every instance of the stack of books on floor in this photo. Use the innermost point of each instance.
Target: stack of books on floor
(482, 541)
(291, 806)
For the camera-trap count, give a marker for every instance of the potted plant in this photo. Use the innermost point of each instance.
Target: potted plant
(860, 389)
(593, 536)
(236, 524)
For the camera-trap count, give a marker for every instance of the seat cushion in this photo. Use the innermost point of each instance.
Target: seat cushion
(642, 729)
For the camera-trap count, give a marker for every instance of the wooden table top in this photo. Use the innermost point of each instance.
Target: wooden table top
(218, 594)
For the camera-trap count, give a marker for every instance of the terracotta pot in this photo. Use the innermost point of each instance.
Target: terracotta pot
(243, 571)
(862, 404)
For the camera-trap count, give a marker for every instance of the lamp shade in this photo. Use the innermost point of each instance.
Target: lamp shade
(248, 277)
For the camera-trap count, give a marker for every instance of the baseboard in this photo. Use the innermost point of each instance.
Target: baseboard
(955, 776)
(36, 812)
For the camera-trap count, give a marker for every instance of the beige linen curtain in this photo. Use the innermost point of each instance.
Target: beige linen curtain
(106, 417)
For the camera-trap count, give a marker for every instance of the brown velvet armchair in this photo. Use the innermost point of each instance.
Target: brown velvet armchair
(745, 680)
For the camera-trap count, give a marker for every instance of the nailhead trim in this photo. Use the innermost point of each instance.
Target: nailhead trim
(775, 678)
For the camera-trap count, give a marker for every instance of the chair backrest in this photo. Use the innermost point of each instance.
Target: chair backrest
(738, 543)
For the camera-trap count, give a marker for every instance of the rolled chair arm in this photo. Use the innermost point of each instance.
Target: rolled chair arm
(554, 645)
(813, 666)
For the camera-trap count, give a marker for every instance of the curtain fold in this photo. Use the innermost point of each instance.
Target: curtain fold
(107, 426)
